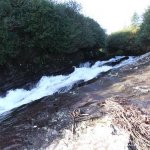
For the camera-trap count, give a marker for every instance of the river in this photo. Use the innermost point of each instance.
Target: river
(33, 118)
(48, 85)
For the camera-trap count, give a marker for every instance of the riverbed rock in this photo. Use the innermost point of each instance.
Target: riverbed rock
(68, 120)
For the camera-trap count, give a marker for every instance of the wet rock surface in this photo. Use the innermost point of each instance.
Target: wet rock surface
(39, 124)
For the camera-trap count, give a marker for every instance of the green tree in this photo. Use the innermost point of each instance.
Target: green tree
(144, 33)
(33, 30)
(123, 42)
(135, 20)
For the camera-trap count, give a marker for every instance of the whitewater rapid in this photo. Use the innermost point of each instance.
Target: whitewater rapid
(49, 85)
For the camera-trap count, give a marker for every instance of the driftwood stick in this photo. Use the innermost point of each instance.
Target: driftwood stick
(132, 119)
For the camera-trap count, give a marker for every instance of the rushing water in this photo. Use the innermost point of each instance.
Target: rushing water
(49, 85)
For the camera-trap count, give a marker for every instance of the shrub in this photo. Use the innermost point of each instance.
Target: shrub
(32, 30)
(144, 33)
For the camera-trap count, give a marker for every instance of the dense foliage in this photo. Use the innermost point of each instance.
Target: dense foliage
(134, 40)
(144, 33)
(123, 43)
(33, 30)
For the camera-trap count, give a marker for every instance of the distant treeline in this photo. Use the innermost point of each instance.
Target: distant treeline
(134, 40)
(33, 32)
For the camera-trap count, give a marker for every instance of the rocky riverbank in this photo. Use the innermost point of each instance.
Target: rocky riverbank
(118, 103)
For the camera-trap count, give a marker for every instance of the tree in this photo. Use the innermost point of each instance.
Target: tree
(135, 20)
(144, 33)
(123, 42)
(42, 28)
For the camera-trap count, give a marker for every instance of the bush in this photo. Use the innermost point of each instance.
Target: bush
(31, 30)
(124, 42)
(144, 33)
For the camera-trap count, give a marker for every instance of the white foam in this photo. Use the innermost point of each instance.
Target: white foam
(130, 60)
(100, 63)
(49, 85)
(87, 65)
